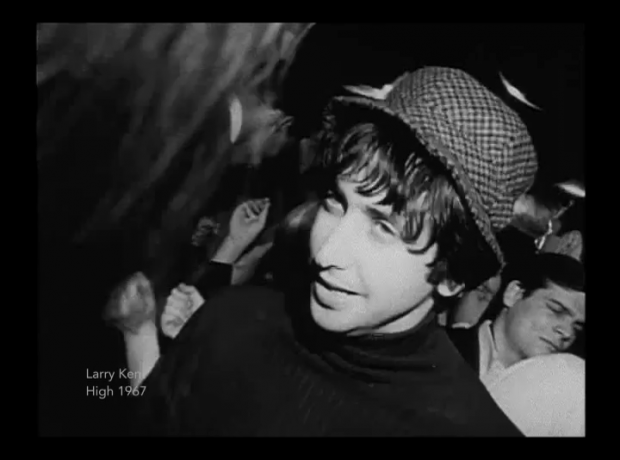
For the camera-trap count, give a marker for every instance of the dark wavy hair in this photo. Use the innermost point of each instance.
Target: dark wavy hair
(133, 122)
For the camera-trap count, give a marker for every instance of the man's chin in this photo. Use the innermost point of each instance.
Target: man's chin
(540, 351)
(328, 318)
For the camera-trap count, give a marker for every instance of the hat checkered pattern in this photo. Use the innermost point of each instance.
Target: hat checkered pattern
(482, 142)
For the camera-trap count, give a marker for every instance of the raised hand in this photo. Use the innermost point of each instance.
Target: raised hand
(181, 304)
(132, 305)
(247, 221)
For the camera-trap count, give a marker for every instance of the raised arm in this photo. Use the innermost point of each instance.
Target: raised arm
(247, 221)
(132, 310)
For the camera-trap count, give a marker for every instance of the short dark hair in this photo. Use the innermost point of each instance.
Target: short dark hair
(417, 185)
(536, 272)
(544, 268)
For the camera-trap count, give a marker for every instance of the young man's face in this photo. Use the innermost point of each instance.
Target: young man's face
(368, 281)
(547, 321)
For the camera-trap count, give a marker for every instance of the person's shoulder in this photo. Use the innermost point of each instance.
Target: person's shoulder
(456, 346)
(235, 315)
(464, 339)
(233, 307)
(243, 304)
(243, 297)
(544, 395)
(472, 408)
(461, 331)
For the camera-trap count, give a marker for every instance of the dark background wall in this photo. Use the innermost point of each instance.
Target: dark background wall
(545, 61)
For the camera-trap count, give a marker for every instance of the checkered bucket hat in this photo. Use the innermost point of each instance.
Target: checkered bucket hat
(482, 142)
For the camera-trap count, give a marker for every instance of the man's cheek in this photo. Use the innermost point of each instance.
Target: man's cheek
(314, 240)
(533, 345)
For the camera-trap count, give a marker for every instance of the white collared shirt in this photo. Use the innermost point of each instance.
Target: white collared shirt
(491, 367)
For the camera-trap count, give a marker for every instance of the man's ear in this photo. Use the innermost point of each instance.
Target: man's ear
(448, 288)
(513, 293)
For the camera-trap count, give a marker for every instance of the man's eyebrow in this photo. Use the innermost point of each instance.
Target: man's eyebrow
(373, 211)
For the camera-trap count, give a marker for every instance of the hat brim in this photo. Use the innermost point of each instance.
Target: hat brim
(423, 130)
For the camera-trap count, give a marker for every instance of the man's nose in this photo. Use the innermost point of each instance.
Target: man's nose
(564, 331)
(339, 245)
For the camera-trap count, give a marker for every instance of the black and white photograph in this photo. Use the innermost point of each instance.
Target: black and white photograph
(311, 230)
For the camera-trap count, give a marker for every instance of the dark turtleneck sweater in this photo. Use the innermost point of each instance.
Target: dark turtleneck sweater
(250, 364)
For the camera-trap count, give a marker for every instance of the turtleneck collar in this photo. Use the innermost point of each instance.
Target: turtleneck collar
(373, 358)
(394, 344)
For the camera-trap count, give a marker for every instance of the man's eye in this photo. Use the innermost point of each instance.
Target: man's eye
(385, 228)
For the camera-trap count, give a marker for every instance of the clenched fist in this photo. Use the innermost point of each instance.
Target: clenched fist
(132, 306)
(181, 304)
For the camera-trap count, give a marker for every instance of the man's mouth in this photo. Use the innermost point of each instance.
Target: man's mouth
(553, 346)
(332, 286)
